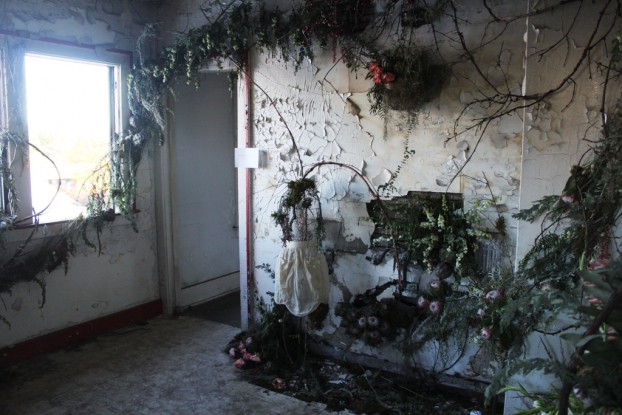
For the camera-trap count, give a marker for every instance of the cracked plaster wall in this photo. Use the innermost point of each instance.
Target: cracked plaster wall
(523, 156)
(314, 104)
(556, 136)
(558, 133)
(125, 275)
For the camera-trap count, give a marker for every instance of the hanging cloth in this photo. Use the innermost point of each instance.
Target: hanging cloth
(301, 278)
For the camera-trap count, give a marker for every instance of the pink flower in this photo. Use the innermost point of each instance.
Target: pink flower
(362, 321)
(568, 199)
(481, 312)
(387, 77)
(246, 356)
(374, 68)
(546, 286)
(374, 335)
(278, 383)
(612, 334)
(239, 364)
(594, 300)
(486, 333)
(422, 302)
(435, 285)
(435, 307)
(599, 264)
(232, 352)
(372, 321)
(493, 295)
(255, 358)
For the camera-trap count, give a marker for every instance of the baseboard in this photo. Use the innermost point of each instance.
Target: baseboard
(72, 335)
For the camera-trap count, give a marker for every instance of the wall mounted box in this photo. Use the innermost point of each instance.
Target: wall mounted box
(249, 158)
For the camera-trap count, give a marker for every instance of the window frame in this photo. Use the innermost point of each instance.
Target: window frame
(13, 49)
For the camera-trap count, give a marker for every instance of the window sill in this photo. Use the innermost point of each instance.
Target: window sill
(42, 230)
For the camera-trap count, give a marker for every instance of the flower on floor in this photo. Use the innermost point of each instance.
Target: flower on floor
(244, 353)
(435, 307)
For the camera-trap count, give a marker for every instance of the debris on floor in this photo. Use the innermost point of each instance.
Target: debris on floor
(358, 389)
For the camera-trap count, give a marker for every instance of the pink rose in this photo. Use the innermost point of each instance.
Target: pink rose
(435, 307)
(422, 302)
(362, 321)
(239, 364)
(486, 333)
(232, 352)
(568, 199)
(374, 68)
(493, 295)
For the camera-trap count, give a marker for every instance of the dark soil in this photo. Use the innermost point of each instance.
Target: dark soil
(361, 390)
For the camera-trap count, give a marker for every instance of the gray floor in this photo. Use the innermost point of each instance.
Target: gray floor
(225, 309)
(168, 366)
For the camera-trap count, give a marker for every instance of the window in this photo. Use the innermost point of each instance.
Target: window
(68, 108)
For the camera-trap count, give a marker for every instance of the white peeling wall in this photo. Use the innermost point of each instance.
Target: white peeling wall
(558, 134)
(125, 274)
(313, 105)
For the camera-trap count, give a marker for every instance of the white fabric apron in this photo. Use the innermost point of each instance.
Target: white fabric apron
(301, 278)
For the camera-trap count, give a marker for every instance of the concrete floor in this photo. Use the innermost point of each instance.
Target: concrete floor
(167, 366)
(225, 309)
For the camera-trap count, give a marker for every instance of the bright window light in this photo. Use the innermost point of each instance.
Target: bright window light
(69, 105)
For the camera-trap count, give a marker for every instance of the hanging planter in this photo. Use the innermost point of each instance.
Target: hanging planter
(301, 277)
(405, 78)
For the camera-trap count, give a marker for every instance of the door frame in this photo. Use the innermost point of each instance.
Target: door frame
(170, 281)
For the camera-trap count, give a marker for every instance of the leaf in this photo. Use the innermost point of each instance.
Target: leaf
(577, 339)
(595, 278)
(572, 338)
(584, 341)
(598, 293)
(615, 320)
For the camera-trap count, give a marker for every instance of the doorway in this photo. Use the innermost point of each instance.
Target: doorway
(203, 182)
